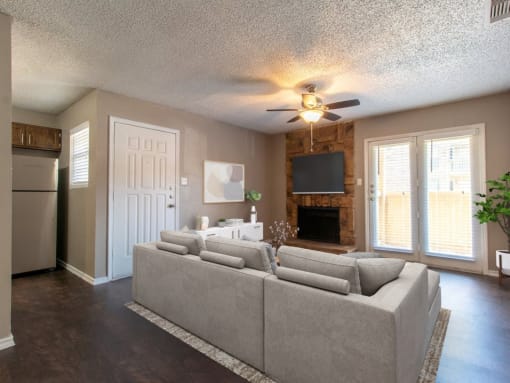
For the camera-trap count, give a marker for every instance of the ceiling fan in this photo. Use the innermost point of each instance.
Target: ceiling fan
(312, 108)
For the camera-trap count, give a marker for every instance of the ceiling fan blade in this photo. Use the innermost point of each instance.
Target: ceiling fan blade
(331, 116)
(294, 119)
(282, 110)
(343, 104)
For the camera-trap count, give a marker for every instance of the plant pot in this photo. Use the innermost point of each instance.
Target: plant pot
(503, 264)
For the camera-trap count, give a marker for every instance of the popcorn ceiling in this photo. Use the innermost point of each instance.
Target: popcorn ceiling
(230, 60)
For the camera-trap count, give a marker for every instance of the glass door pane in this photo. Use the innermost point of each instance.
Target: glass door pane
(391, 200)
(448, 197)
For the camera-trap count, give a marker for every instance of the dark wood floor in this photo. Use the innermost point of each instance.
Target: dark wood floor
(69, 331)
(477, 345)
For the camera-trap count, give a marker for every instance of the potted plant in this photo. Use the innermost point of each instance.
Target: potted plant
(253, 196)
(495, 207)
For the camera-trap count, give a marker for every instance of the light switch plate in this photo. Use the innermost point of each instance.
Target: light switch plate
(184, 181)
(359, 182)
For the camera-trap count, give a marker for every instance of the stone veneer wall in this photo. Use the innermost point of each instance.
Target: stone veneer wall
(332, 138)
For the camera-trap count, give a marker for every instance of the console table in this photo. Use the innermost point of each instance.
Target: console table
(254, 231)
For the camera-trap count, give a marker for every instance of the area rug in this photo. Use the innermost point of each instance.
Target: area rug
(427, 375)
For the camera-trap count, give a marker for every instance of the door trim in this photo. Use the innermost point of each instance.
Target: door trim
(484, 243)
(111, 168)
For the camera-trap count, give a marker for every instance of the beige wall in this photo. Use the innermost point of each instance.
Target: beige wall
(76, 225)
(201, 139)
(5, 176)
(492, 110)
(33, 118)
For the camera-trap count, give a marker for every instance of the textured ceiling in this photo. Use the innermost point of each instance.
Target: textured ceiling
(232, 59)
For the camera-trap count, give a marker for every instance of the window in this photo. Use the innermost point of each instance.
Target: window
(79, 156)
(421, 190)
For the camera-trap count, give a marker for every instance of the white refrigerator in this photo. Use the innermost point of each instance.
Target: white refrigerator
(34, 213)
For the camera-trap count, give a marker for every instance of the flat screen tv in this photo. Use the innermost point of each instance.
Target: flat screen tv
(318, 173)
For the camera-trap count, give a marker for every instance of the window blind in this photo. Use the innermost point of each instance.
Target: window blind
(392, 197)
(80, 158)
(447, 196)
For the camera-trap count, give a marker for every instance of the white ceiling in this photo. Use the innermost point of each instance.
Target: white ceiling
(232, 59)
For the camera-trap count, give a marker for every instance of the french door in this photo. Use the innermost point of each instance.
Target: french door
(421, 190)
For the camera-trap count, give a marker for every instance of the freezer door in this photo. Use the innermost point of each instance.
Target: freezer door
(34, 231)
(34, 173)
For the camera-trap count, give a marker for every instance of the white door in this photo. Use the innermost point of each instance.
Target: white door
(145, 194)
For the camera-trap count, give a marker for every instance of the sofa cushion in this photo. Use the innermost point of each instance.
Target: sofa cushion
(318, 262)
(193, 242)
(222, 259)
(172, 247)
(376, 272)
(362, 255)
(253, 253)
(433, 280)
(319, 281)
(271, 258)
(270, 251)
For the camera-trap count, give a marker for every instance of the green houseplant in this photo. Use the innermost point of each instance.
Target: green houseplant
(495, 205)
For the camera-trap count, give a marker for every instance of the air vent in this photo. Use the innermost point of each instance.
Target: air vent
(500, 9)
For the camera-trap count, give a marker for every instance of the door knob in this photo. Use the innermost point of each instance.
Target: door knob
(171, 205)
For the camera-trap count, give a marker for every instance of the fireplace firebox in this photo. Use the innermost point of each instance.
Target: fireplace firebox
(320, 224)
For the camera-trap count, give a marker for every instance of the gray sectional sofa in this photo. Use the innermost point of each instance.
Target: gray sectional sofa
(304, 324)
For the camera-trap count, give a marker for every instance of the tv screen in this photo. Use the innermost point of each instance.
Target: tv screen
(318, 173)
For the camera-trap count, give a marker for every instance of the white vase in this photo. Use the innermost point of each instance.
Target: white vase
(253, 214)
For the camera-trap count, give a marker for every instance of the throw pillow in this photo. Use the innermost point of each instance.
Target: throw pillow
(269, 249)
(193, 242)
(253, 253)
(172, 247)
(318, 262)
(222, 259)
(323, 282)
(376, 272)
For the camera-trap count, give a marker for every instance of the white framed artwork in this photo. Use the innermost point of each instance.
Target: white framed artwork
(223, 182)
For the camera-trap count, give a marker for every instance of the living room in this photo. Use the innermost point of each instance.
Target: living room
(423, 78)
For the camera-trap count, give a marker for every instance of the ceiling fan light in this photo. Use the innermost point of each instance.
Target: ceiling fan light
(312, 115)
(309, 100)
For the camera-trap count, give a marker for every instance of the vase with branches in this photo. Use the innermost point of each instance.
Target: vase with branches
(281, 231)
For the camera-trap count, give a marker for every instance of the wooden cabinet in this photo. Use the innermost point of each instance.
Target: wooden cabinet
(36, 137)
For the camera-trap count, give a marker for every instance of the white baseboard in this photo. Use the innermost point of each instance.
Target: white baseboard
(7, 342)
(87, 278)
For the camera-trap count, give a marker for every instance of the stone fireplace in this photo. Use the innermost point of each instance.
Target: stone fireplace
(327, 139)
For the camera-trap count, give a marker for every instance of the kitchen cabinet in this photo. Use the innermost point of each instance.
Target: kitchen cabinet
(36, 137)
